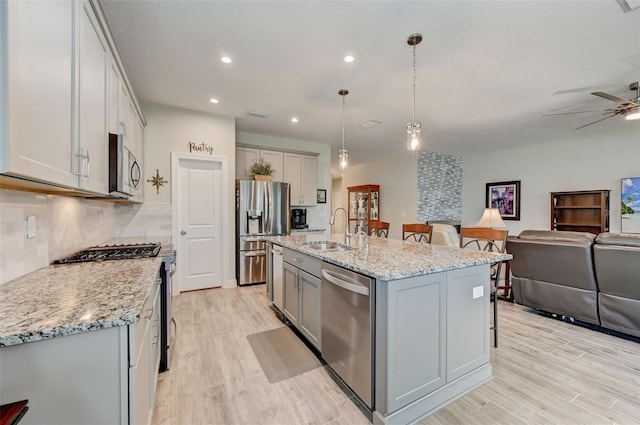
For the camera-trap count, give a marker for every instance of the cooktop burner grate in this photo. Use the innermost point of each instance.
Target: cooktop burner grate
(112, 252)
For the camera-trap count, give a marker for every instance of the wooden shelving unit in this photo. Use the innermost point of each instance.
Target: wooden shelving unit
(581, 211)
(364, 206)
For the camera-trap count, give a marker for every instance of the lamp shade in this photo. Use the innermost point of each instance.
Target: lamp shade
(491, 218)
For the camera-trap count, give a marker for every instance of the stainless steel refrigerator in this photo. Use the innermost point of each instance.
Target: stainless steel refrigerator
(262, 209)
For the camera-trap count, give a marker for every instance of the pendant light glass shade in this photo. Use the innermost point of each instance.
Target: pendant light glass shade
(414, 127)
(343, 158)
(413, 135)
(343, 154)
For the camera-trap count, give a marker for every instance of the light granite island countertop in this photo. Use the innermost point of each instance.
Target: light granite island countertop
(392, 259)
(68, 299)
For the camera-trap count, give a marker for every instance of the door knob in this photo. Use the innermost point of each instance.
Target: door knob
(183, 232)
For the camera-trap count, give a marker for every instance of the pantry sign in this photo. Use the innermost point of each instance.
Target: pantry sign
(200, 147)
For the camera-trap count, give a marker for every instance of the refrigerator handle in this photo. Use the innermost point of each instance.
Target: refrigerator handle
(268, 209)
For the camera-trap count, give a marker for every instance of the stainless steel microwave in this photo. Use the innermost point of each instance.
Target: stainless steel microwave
(125, 171)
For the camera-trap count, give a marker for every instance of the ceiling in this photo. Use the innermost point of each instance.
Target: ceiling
(486, 70)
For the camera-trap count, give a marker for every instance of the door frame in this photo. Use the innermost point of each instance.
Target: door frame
(175, 209)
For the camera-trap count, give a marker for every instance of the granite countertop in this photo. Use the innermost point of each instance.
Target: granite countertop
(67, 299)
(391, 259)
(310, 229)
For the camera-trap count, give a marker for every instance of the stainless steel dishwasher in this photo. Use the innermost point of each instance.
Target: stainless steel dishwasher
(348, 304)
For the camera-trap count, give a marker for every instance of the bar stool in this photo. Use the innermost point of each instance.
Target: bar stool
(418, 232)
(11, 413)
(379, 228)
(490, 240)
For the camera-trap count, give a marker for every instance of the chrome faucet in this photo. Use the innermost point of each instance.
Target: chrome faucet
(332, 220)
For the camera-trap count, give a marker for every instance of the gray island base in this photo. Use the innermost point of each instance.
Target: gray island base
(431, 321)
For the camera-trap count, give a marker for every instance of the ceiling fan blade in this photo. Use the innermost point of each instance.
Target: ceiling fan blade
(591, 123)
(613, 98)
(572, 113)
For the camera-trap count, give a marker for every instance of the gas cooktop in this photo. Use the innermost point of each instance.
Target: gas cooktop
(113, 252)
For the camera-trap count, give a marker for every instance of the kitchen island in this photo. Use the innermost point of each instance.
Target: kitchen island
(430, 319)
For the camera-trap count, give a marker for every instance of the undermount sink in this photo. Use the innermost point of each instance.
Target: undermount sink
(327, 246)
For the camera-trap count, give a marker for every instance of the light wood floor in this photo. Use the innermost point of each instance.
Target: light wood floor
(545, 372)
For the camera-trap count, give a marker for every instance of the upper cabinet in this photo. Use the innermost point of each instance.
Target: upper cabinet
(245, 157)
(301, 172)
(92, 150)
(61, 94)
(36, 94)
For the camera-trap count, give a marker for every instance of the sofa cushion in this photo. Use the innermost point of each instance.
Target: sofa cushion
(624, 239)
(565, 263)
(557, 236)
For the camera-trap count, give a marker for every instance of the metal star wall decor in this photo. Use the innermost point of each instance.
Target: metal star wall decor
(157, 181)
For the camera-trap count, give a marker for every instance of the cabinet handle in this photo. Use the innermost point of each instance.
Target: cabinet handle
(82, 157)
(88, 166)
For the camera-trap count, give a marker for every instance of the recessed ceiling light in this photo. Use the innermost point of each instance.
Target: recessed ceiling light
(213, 100)
(225, 59)
(349, 59)
(294, 119)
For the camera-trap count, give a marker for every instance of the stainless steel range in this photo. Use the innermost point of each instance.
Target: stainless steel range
(167, 269)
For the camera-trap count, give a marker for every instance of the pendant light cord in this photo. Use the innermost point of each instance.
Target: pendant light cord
(414, 83)
(343, 121)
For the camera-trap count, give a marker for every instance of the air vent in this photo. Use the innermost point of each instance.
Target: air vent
(370, 124)
(258, 114)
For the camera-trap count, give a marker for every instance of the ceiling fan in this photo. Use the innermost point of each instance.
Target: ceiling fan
(630, 109)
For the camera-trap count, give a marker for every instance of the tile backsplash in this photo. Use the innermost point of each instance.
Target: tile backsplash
(65, 225)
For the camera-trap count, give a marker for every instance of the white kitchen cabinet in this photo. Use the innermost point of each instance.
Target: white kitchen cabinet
(92, 151)
(115, 81)
(58, 99)
(36, 98)
(245, 157)
(301, 172)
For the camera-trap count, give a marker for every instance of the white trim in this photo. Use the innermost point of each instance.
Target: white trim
(226, 224)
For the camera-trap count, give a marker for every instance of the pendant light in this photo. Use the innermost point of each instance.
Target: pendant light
(414, 127)
(343, 154)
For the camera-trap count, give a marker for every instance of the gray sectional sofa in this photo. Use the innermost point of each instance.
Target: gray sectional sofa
(576, 274)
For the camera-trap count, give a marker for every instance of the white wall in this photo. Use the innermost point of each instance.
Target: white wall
(169, 130)
(577, 163)
(318, 216)
(398, 179)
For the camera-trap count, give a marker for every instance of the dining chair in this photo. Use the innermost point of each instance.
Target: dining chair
(379, 228)
(417, 231)
(490, 240)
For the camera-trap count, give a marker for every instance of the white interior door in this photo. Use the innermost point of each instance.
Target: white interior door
(200, 201)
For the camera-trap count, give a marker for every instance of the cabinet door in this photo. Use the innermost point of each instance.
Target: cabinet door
(92, 102)
(37, 140)
(114, 93)
(309, 322)
(309, 177)
(123, 109)
(245, 157)
(468, 296)
(291, 296)
(292, 175)
(277, 160)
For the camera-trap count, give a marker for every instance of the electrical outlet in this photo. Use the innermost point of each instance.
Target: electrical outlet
(31, 227)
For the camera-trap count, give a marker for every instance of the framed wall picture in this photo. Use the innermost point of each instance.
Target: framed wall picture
(505, 196)
(630, 205)
(322, 196)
